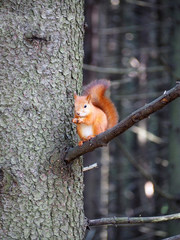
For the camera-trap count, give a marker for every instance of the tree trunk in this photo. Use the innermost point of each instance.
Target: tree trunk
(41, 198)
(174, 137)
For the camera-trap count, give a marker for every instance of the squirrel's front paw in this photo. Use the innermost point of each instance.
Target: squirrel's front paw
(77, 120)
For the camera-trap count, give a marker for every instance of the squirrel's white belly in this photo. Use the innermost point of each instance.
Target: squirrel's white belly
(86, 130)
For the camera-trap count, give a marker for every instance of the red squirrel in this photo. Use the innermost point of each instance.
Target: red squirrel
(94, 112)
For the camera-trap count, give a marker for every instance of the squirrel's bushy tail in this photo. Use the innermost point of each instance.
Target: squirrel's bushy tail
(96, 90)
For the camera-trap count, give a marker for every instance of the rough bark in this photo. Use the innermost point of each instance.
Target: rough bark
(41, 198)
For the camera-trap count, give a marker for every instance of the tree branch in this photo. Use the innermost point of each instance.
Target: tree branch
(110, 70)
(143, 112)
(177, 237)
(132, 220)
(90, 167)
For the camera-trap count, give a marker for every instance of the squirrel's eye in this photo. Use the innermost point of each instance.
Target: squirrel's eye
(85, 106)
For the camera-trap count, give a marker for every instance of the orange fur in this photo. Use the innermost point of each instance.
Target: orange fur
(94, 112)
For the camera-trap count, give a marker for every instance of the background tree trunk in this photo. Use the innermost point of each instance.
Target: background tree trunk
(174, 136)
(40, 70)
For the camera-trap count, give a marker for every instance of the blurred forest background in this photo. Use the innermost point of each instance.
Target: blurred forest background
(135, 44)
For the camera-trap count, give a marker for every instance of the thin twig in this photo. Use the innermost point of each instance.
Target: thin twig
(149, 135)
(132, 220)
(143, 112)
(122, 70)
(177, 237)
(90, 167)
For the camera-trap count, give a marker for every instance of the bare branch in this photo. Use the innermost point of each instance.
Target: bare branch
(132, 220)
(90, 167)
(143, 112)
(122, 70)
(177, 237)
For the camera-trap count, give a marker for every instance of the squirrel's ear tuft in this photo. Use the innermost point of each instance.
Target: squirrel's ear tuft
(75, 95)
(88, 98)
